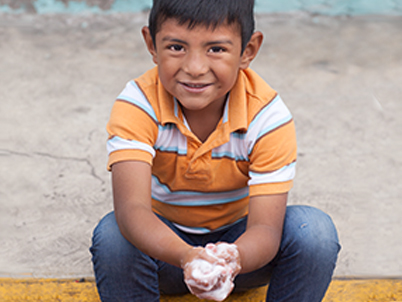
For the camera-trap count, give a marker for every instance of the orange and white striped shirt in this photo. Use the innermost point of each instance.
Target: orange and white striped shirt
(205, 186)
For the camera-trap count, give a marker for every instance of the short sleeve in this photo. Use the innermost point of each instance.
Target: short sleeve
(132, 127)
(272, 150)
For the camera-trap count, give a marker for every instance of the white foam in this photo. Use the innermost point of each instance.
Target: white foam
(215, 280)
(225, 251)
(205, 275)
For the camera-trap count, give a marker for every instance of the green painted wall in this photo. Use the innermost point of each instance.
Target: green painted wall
(328, 7)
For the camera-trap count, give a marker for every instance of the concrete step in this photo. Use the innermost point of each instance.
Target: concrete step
(50, 290)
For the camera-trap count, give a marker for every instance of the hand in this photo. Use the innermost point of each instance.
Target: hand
(209, 272)
(202, 270)
(227, 252)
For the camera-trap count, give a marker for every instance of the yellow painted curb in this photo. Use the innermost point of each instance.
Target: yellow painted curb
(50, 290)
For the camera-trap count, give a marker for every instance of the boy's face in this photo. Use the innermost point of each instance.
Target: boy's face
(198, 66)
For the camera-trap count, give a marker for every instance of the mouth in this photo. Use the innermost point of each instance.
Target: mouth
(195, 87)
(192, 85)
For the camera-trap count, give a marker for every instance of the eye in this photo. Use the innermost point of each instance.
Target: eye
(176, 47)
(216, 49)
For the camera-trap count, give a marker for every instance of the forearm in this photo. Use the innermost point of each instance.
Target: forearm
(138, 224)
(149, 234)
(257, 247)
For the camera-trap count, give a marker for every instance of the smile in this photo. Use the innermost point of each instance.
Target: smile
(195, 87)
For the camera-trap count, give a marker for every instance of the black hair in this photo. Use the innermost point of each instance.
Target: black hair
(204, 12)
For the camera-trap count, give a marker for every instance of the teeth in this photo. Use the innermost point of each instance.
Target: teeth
(195, 86)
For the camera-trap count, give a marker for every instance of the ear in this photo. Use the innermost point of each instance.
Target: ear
(149, 43)
(251, 50)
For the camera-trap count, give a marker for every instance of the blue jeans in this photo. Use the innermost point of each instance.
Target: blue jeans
(300, 272)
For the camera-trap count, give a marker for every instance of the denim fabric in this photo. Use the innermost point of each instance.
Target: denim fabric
(300, 272)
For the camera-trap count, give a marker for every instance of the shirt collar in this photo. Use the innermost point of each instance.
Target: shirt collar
(237, 105)
(169, 108)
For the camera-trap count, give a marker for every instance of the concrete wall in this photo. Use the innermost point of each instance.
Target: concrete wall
(59, 76)
(328, 7)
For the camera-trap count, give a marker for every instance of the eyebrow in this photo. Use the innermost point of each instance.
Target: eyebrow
(170, 39)
(220, 42)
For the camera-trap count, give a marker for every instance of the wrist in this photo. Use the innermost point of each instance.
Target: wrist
(242, 257)
(188, 255)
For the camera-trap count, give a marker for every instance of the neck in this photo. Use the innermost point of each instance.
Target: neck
(204, 122)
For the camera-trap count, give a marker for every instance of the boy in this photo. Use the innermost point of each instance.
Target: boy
(202, 153)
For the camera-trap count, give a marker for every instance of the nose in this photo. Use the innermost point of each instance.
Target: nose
(195, 64)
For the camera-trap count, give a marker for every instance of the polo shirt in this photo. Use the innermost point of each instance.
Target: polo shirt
(205, 186)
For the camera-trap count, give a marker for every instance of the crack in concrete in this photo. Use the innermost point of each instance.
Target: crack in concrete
(9, 152)
(5, 152)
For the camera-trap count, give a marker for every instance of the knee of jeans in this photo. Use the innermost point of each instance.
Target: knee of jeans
(107, 241)
(314, 232)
